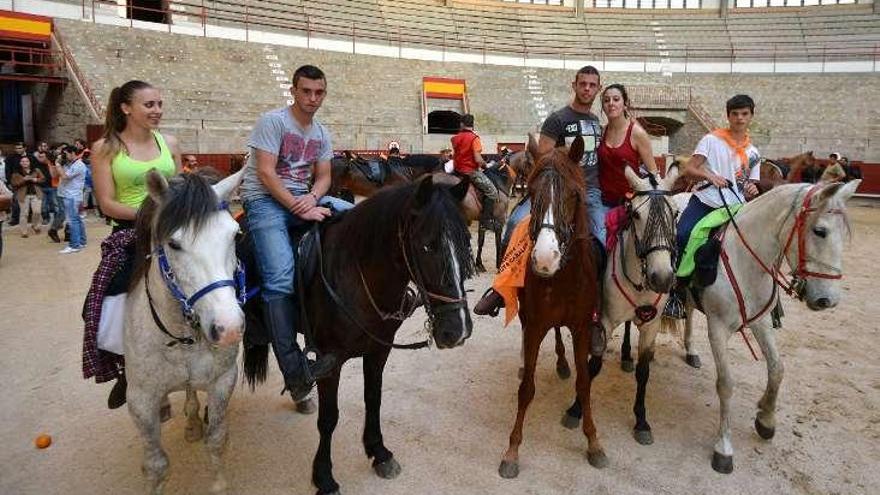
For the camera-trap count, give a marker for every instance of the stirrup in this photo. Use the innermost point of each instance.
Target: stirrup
(675, 307)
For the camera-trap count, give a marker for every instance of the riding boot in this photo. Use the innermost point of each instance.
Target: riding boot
(299, 373)
(489, 304)
(598, 335)
(116, 399)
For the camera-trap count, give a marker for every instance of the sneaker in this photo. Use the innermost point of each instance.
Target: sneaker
(69, 250)
(489, 304)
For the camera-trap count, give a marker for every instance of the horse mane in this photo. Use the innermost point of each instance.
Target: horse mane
(372, 228)
(567, 175)
(188, 201)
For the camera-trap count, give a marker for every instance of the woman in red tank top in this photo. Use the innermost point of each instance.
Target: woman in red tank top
(624, 144)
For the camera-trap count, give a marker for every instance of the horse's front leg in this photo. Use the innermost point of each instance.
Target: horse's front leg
(328, 417)
(383, 459)
(765, 422)
(581, 337)
(722, 457)
(194, 427)
(481, 238)
(647, 337)
(562, 368)
(144, 409)
(626, 360)
(691, 357)
(215, 439)
(532, 338)
(499, 254)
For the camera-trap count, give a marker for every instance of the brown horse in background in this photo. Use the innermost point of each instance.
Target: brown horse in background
(560, 287)
(798, 168)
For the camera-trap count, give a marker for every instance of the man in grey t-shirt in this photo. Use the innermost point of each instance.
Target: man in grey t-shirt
(559, 129)
(284, 185)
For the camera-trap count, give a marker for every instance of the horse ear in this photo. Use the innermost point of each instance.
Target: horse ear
(672, 173)
(576, 152)
(460, 190)
(156, 185)
(225, 187)
(847, 190)
(636, 182)
(532, 145)
(424, 191)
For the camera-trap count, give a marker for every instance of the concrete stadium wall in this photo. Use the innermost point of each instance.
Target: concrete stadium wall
(214, 90)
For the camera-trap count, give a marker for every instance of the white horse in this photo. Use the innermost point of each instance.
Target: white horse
(800, 225)
(639, 274)
(183, 319)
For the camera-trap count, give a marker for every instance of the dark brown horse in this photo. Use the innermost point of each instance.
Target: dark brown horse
(354, 301)
(560, 287)
(352, 174)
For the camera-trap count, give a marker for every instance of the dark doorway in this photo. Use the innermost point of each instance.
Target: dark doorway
(443, 122)
(148, 10)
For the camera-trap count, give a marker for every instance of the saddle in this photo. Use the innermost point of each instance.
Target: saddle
(373, 169)
(704, 247)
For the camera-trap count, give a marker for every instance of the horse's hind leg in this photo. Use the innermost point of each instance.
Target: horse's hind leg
(478, 259)
(691, 357)
(765, 422)
(384, 463)
(215, 440)
(531, 345)
(647, 336)
(595, 452)
(144, 409)
(722, 457)
(194, 427)
(499, 249)
(562, 368)
(626, 360)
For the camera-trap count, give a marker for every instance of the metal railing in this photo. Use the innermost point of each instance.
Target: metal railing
(81, 81)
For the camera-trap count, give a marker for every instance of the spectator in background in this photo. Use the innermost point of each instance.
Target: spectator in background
(6, 200)
(58, 218)
(27, 180)
(446, 160)
(189, 162)
(12, 166)
(44, 164)
(72, 179)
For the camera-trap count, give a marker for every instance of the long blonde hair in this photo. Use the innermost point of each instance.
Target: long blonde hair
(115, 121)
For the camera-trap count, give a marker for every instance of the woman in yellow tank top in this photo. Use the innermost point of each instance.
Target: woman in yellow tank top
(131, 147)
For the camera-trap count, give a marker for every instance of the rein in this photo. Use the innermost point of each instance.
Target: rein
(796, 285)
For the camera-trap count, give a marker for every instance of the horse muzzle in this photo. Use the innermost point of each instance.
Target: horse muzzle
(226, 332)
(452, 329)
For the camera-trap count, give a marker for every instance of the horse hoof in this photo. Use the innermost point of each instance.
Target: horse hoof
(627, 366)
(597, 459)
(508, 470)
(388, 470)
(306, 406)
(722, 463)
(644, 437)
(563, 371)
(570, 422)
(693, 361)
(763, 431)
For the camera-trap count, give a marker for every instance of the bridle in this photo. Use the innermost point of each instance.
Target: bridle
(187, 304)
(563, 233)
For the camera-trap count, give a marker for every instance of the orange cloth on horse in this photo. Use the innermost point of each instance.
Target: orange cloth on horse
(739, 147)
(512, 273)
(464, 144)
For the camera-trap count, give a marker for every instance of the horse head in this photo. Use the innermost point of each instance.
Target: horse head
(651, 218)
(192, 241)
(814, 248)
(437, 251)
(558, 214)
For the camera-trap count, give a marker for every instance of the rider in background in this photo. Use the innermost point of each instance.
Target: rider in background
(284, 186)
(467, 159)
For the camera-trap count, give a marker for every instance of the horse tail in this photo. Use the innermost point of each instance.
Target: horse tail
(256, 364)
(672, 326)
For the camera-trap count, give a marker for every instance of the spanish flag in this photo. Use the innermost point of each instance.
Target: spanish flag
(439, 87)
(14, 25)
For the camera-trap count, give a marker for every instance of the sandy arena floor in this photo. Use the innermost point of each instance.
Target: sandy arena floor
(447, 414)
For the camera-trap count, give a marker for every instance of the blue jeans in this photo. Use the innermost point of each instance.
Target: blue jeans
(48, 203)
(596, 211)
(269, 224)
(690, 217)
(75, 223)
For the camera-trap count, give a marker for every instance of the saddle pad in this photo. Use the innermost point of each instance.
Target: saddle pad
(699, 236)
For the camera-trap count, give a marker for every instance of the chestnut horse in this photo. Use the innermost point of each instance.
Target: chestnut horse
(560, 287)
